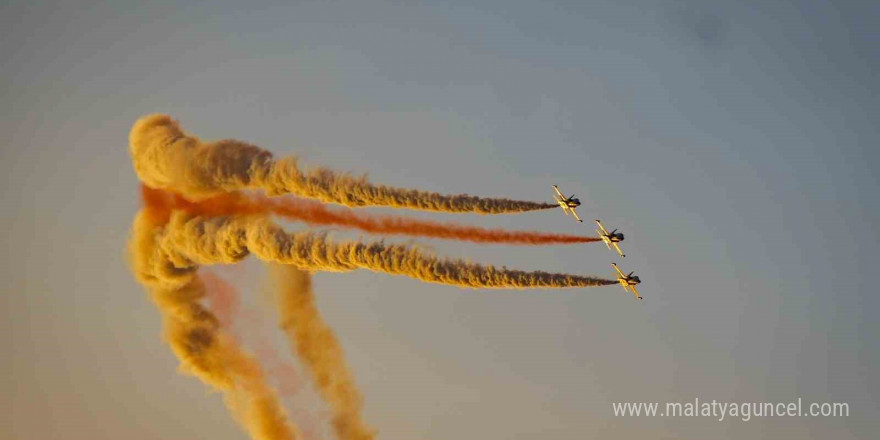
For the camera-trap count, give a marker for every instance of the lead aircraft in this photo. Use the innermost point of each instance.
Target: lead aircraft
(628, 281)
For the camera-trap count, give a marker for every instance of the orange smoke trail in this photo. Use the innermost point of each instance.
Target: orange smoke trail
(318, 348)
(224, 301)
(196, 338)
(315, 213)
(222, 298)
(191, 240)
(166, 157)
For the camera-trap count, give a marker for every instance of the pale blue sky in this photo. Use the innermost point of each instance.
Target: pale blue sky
(734, 144)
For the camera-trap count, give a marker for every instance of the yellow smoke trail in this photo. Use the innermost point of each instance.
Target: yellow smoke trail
(318, 348)
(191, 240)
(316, 213)
(165, 157)
(195, 337)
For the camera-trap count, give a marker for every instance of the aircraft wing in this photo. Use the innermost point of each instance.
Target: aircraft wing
(618, 270)
(604, 231)
(604, 239)
(558, 192)
(618, 249)
(635, 292)
(575, 214)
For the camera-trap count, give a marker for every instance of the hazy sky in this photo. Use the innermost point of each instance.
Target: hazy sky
(734, 144)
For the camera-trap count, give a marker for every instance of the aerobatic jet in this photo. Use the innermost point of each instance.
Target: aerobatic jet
(567, 203)
(610, 238)
(628, 281)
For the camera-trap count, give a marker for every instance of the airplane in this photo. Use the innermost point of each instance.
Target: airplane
(567, 203)
(610, 238)
(628, 281)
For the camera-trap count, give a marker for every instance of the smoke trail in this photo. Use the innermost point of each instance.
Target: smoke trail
(191, 240)
(196, 338)
(317, 214)
(318, 348)
(166, 157)
(223, 301)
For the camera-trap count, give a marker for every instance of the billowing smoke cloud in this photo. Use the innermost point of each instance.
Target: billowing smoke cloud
(196, 338)
(194, 240)
(213, 222)
(315, 213)
(319, 350)
(166, 157)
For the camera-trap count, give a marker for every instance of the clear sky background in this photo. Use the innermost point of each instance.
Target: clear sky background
(734, 143)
